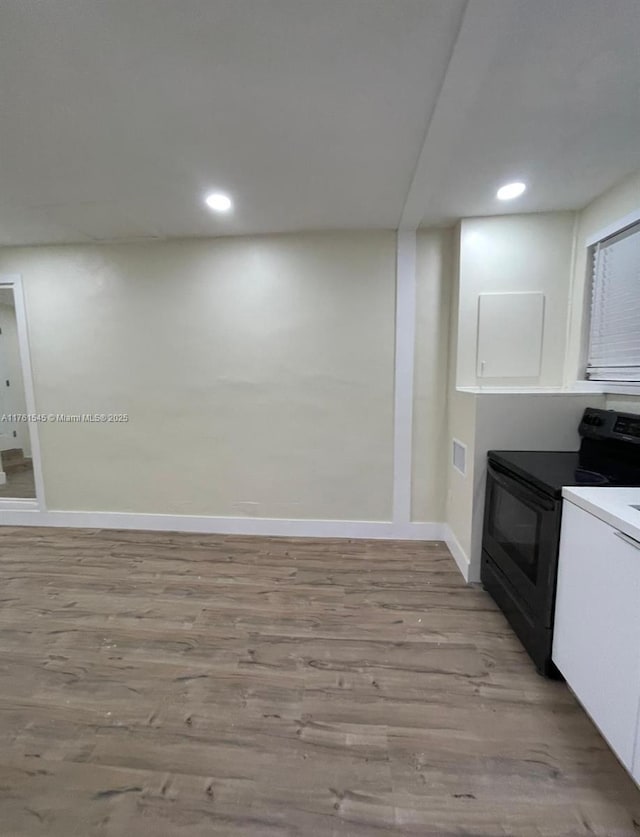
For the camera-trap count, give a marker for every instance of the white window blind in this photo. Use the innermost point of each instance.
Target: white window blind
(614, 344)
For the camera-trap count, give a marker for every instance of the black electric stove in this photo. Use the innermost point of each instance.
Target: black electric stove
(551, 471)
(523, 511)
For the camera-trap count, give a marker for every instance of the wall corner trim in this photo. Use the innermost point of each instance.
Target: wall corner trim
(405, 328)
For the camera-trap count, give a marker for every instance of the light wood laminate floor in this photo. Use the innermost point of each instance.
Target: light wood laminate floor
(19, 484)
(177, 685)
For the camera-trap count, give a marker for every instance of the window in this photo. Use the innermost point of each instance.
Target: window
(614, 338)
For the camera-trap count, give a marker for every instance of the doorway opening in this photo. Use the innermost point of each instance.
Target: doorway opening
(20, 475)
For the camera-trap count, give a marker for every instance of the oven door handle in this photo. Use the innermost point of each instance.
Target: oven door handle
(527, 494)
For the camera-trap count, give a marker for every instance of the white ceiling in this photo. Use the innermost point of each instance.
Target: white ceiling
(117, 116)
(545, 91)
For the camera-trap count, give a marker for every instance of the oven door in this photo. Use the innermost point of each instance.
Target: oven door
(521, 531)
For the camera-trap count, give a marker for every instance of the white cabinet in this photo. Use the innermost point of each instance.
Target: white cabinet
(596, 641)
(510, 327)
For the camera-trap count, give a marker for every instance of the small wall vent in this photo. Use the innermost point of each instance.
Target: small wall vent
(459, 458)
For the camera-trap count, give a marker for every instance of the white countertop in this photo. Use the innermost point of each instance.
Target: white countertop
(613, 505)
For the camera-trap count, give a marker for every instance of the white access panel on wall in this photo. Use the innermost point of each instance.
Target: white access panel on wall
(510, 327)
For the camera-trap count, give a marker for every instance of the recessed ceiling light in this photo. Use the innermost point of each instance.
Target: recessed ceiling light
(510, 191)
(219, 202)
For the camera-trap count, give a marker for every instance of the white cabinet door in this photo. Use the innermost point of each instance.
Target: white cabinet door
(510, 327)
(596, 642)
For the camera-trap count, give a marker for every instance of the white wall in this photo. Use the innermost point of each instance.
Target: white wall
(459, 506)
(461, 425)
(516, 253)
(623, 403)
(257, 374)
(434, 268)
(600, 213)
(500, 254)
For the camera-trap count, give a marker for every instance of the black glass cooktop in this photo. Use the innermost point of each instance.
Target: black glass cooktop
(549, 471)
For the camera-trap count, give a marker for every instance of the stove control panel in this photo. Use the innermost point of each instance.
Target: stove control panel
(609, 424)
(628, 426)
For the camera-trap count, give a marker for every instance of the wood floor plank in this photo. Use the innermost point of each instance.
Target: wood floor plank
(180, 685)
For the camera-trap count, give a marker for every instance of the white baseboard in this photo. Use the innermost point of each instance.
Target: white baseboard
(459, 555)
(225, 525)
